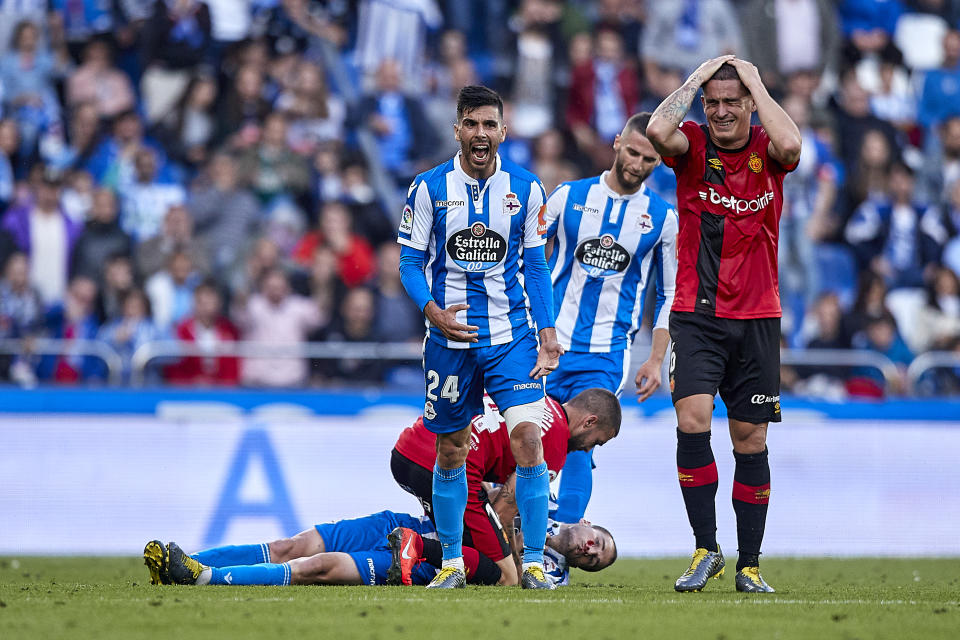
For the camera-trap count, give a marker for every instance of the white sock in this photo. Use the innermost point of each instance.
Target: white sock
(454, 562)
(204, 577)
(527, 565)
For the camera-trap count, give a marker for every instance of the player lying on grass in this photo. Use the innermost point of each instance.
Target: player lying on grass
(383, 548)
(589, 419)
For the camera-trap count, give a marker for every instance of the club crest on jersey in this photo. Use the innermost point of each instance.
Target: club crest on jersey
(645, 223)
(511, 204)
(406, 219)
(428, 411)
(755, 162)
(477, 248)
(602, 257)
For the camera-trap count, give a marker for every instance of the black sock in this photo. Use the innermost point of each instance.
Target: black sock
(751, 493)
(432, 552)
(697, 472)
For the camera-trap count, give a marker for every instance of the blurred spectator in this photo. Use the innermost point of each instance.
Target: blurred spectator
(207, 328)
(173, 41)
(405, 139)
(112, 162)
(176, 237)
(315, 115)
(869, 175)
(870, 302)
(73, 319)
(397, 317)
(21, 309)
(867, 27)
(262, 256)
(27, 75)
(355, 257)
(171, 291)
(549, 160)
(189, 127)
(229, 24)
(808, 218)
(945, 229)
(893, 97)
(680, 34)
(100, 239)
(97, 81)
(940, 96)
(887, 236)
(941, 167)
(276, 316)
(395, 30)
(12, 14)
(243, 108)
(365, 209)
(132, 329)
(783, 37)
(937, 323)
(290, 25)
(854, 119)
(223, 213)
(603, 93)
(145, 201)
(823, 328)
(82, 139)
(880, 334)
(9, 143)
(81, 20)
(76, 198)
(270, 168)
(118, 279)
(42, 230)
(354, 324)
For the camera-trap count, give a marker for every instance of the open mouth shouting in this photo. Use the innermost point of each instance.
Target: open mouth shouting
(480, 153)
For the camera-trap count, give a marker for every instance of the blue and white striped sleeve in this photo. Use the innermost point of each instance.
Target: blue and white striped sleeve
(416, 221)
(555, 205)
(535, 226)
(665, 261)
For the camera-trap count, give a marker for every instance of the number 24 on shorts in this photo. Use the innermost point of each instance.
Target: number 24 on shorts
(449, 389)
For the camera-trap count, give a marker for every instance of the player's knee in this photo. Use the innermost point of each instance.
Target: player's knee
(451, 453)
(525, 444)
(749, 439)
(312, 570)
(283, 550)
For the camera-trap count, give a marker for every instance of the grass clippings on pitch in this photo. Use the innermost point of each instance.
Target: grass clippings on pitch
(821, 598)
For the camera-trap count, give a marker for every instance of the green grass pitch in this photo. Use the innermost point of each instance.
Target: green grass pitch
(821, 598)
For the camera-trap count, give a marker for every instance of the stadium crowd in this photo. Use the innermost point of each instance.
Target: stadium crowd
(225, 170)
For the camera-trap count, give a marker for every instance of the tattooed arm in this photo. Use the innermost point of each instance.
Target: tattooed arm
(505, 504)
(663, 129)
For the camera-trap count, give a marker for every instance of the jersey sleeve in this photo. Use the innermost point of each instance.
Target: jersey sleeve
(694, 135)
(555, 205)
(535, 226)
(416, 221)
(665, 262)
(554, 440)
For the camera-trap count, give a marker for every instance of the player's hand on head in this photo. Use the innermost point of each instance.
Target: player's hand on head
(446, 321)
(748, 72)
(648, 380)
(710, 67)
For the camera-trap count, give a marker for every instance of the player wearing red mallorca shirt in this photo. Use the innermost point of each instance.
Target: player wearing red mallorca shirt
(725, 321)
(589, 419)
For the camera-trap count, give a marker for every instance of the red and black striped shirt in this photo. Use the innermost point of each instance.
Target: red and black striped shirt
(729, 202)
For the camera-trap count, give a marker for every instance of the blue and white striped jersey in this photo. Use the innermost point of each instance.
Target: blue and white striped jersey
(474, 236)
(606, 247)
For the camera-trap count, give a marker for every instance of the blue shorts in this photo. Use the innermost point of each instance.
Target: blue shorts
(581, 370)
(365, 540)
(456, 379)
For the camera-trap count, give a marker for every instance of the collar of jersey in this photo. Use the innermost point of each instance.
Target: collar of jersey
(470, 179)
(613, 194)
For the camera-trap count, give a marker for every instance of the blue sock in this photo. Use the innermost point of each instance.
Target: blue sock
(533, 496)
(266, 574)
(232, 555)
(449, 503)
(576, 485)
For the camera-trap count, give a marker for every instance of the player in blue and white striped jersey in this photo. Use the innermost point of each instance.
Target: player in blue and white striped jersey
(472, 231)
(611, 238)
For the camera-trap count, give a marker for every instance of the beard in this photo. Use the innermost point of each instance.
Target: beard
(627, 179)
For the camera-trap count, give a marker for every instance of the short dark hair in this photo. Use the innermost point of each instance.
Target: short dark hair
(474, 96)
(612, 542)
(602, 404)
(727, 72)
(638, 122)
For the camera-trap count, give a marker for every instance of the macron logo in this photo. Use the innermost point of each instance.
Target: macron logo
(527, 385)
(735, 204)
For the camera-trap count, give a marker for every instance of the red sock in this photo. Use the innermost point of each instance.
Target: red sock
(471, 560)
